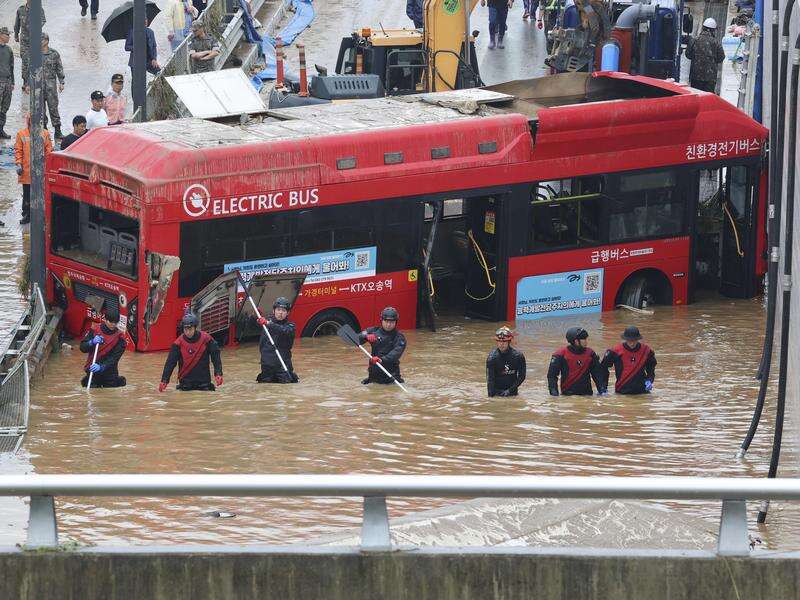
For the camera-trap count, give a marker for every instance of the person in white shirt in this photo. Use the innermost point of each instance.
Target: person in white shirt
(96, 117)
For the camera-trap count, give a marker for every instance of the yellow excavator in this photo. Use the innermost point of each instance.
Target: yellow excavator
(440, 57)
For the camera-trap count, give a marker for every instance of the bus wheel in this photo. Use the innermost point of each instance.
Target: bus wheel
(645, 288)
(328, 322)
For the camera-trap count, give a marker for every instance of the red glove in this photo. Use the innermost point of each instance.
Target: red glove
(539, 24)
(162, 386)
(375, 360)
(372, 338)
(218, 379)
(262, 321)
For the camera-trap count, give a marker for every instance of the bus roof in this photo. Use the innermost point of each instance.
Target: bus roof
(521, 121)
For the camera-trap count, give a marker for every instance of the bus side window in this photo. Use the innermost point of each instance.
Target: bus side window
(650, 204)
(566, 213)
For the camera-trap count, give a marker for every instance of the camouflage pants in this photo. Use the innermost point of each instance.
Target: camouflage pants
(24, 54)
(5, 100)
(51, 104)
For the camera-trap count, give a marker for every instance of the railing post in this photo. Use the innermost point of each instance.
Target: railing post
(375, 526)
(733, 540)
(42, 525)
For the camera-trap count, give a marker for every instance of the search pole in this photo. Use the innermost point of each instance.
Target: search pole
(34, 75)
(139, 83)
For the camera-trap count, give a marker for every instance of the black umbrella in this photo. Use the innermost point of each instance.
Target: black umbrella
(120, 22)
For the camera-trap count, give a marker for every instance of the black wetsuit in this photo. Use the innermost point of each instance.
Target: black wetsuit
(183, 351)
(389, 347)
(108, 357)
(577, 367)
(633, 366)
(505, 372)
(282, 333)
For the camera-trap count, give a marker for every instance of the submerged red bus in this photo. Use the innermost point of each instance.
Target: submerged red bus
(561, 195)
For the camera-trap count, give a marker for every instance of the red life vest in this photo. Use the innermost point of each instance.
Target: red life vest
(632, 362)
(191, 352)
(577, 366)
(107, 346)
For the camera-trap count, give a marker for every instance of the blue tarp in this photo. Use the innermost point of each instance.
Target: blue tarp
(303, 16)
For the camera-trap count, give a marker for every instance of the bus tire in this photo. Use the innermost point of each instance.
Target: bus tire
(328, 322)
(645, 288)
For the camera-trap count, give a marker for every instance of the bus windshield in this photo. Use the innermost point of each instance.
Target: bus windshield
(94, 236)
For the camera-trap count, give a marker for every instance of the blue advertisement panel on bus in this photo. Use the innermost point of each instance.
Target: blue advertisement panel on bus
(320, 267)
(560, 294)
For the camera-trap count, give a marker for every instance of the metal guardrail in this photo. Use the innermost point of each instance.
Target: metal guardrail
(374, 489)
(15, 385)
(14, 407)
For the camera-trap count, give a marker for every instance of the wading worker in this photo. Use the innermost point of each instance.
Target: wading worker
(634, 364)
(388, 346)
(110, 344)
(192, 352)
(577, 365)
(505, 366)
(282, 332)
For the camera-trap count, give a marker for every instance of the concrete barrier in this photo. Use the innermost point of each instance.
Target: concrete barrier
(346, 574)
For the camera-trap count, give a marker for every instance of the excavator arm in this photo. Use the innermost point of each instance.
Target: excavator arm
(446, 36)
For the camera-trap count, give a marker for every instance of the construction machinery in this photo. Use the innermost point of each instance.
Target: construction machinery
(437, 58)
(641, 38)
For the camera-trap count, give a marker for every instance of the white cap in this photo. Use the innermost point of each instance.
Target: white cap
(710, 23)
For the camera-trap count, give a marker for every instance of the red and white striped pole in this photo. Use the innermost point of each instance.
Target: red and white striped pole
(303, 75)
(279, 81)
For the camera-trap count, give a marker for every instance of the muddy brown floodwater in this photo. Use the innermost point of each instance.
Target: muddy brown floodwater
(329, 423)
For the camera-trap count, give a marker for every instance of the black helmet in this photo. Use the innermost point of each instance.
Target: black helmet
(631, 334)
(389, 314)
(189, 320)
(112, 315)
(576, 333)
(282, 303)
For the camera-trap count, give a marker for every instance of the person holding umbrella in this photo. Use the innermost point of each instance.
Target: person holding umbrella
(119, 26)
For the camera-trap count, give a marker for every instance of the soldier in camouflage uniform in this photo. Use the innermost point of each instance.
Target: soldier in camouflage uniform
(22, 35)
(52, 83)
(6, 79)
(705, 51)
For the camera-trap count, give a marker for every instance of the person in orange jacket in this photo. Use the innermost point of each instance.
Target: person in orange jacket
(22, 158)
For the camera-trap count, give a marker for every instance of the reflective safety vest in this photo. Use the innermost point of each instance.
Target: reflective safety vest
(632, 362)
(577, 366)
(106, 347)
(191, 352)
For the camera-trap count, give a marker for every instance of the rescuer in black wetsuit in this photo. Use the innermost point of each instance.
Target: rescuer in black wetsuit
(634, 364)
(388, 346)
(577, 365)
(505, 366)
(191, 353)
(111, 342)
(282, 332)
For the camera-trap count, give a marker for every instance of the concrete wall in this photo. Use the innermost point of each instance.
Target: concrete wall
(414, 575)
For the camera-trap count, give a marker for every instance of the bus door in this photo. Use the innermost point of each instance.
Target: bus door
(739, 235)
(484, 285)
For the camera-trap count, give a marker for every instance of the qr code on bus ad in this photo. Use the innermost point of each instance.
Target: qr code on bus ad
(591, 282)
(362, 260)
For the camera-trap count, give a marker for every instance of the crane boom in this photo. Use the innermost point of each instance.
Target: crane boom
(446, 40)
